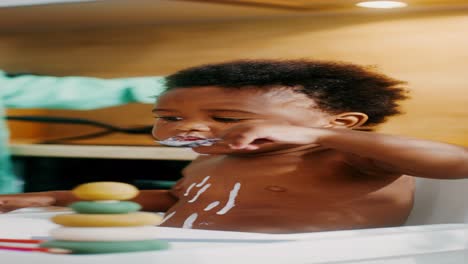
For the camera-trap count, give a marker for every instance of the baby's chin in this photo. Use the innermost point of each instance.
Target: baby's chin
(226, 150)
(216, 150)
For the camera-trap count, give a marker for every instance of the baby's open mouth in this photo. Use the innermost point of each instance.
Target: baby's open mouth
(187, 141)
(187, 138)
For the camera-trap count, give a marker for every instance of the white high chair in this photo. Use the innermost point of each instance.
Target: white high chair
(440, 202)
(437, 202)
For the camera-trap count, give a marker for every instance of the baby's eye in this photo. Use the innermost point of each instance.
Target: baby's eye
(226, 119)
(170, 118)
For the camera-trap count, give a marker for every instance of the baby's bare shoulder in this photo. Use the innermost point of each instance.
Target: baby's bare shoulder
(369, 166)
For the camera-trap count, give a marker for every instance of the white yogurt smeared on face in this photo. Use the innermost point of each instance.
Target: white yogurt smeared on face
(188, 142)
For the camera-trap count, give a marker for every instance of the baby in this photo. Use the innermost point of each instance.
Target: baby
(291, 149)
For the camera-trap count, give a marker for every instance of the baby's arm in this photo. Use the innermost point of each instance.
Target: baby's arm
(421, 158)
(17, 201)
(391, 154)
(155, 200)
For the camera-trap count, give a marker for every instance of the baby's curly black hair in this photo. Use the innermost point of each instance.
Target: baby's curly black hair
(335, 86)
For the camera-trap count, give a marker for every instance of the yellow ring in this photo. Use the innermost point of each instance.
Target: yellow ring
(107, 220)
(105, 191)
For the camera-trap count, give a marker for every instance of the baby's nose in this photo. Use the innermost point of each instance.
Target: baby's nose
(193, 126)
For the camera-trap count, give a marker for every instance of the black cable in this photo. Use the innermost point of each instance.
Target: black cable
(79, 137)
(80, 121)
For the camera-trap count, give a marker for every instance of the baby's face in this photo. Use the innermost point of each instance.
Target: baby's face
(205, 112)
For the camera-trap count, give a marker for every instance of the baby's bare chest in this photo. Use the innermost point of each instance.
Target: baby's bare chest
(219, 178)
(220, 193)
(269, 182)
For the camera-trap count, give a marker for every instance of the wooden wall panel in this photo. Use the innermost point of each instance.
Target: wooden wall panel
(429, 51)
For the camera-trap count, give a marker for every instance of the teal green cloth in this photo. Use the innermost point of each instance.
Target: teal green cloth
(78, 93)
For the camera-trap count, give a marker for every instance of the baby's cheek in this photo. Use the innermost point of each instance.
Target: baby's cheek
(160, 132)
(156, 128)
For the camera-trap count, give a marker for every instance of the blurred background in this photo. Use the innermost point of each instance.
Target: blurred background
(423, 42)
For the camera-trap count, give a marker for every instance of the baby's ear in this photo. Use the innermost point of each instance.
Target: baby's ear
(347, 120)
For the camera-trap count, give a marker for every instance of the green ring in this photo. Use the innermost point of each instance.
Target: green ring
(121, 207)
(102, 247)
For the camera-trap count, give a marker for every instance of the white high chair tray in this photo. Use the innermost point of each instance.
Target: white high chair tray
(430, 244)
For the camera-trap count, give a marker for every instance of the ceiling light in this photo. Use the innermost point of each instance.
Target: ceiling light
(16, 3)
(381, 4)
